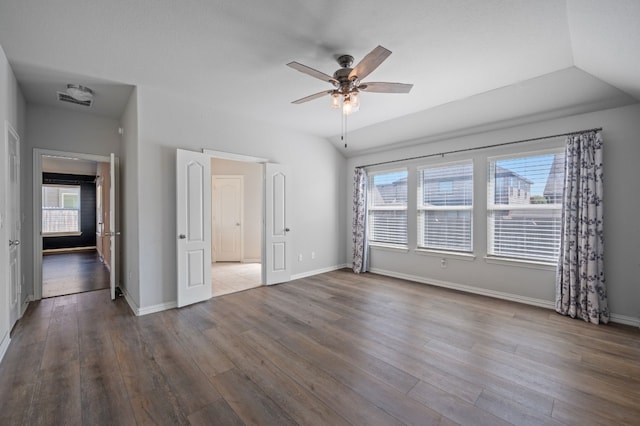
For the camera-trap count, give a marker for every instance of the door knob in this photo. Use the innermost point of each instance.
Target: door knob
(237, 223)
(182, 236)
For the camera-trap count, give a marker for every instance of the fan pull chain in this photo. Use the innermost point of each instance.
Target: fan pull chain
(344, 129)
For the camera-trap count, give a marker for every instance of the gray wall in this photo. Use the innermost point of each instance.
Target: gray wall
(168, 122)
(60, 130)
(130, 252)
(528, 283)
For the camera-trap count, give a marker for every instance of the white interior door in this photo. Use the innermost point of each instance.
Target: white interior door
(277, 264)
(193, 191)
(114, 220)
(13, 224)
(227, 218)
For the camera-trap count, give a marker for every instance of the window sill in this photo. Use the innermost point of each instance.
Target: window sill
(532, 264)
(389, 247)
(62, 234)
(444, 253)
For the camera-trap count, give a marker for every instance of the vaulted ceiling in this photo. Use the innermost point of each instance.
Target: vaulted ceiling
(472, 63)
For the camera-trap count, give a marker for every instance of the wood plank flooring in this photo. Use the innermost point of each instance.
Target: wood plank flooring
(75, 272)
(332, 349)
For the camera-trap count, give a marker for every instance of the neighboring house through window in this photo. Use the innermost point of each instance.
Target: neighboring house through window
(60, 209)
(387, 201)
(524, 202)
(445, 207)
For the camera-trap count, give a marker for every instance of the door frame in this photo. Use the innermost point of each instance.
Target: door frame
(38, 153)
(247, 159)
(241, 202)
(15, 309)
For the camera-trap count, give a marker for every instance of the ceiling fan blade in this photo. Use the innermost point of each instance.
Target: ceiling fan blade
(312, 97)
(312, 72)
(369, 63)
(385, 87)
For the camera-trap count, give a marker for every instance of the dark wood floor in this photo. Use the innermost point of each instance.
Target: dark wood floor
(332, 349)
(69, 273)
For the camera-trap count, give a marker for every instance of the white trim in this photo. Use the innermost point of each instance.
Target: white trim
(234, 157)
(37, 207)
(4, 344)
(619, 319)
(156, 308)
(468, 289)
(137, 311)
(61, 234)
(624, 319)
(251, 260)
(318, 271)
(25, 305)
(69, 249)
(470, 257)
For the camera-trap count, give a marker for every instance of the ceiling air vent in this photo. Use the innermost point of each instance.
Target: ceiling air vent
(63, 97)
(77, 94)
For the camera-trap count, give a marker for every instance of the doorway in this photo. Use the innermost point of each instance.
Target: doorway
(236, 225)
(74, 222)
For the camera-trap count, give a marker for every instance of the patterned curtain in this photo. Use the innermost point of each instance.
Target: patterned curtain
(580, 285)
(359, 232)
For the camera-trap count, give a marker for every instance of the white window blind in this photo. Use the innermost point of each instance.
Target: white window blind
(387, 201)
(60, 209)
(445, 207)
(524, 206)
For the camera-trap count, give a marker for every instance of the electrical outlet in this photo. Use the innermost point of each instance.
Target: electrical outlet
(313, 255)
(299, 258)
(443, 263)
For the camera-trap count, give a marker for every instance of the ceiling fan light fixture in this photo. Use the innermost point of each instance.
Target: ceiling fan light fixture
(355, 100)
(79, 92)
(347, 106)
(335, 100)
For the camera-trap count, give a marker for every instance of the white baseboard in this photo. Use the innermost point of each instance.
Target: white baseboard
(624, 319)
(249, 260)
(317, 271)
(4, 344)
(25, 305)
(68, 250)
(138, 311)
(620, 319)
(468, 289)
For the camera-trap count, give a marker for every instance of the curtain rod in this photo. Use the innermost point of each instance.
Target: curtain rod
(596, 129)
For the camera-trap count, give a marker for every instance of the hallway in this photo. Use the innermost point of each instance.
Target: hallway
(70, 273)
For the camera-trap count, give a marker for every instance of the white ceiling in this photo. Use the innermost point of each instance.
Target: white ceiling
(472, 62)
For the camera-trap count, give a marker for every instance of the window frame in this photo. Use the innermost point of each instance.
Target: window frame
(371, 208)
(61, 195)
(420, 207)
(492, 207)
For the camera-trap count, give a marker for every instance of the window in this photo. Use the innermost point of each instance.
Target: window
(60, 209)
(524, 202)
(445, 203)
(387, 201)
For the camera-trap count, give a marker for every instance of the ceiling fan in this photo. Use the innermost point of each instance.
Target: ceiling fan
(347, 81)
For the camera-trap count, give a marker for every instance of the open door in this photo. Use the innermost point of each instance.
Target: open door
(13, 223)
(193, 192)
(114, 233)
(277, 257)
